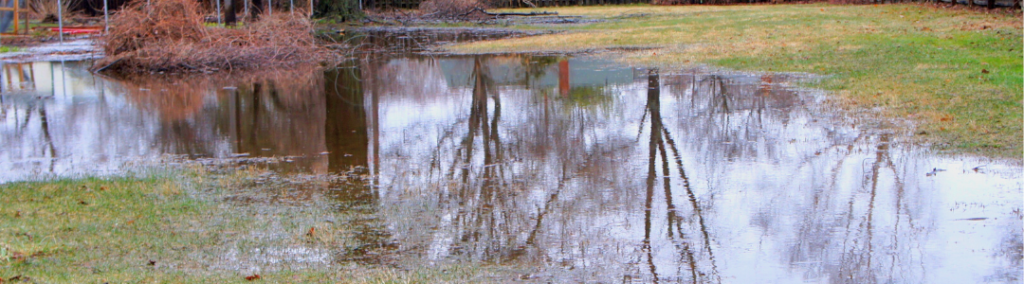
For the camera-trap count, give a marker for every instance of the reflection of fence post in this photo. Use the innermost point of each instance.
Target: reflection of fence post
(106, 19)
(291, 6)
(270, 8)
(60, 22)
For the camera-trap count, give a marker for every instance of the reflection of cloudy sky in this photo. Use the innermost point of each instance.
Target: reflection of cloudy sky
(560, 179)
(786, 196)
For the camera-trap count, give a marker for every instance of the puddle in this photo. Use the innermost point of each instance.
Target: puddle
(382, 40)
(69, 50)
(576, 169)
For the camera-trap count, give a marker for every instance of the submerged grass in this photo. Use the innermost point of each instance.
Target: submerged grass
(193, 227)
(956, 73)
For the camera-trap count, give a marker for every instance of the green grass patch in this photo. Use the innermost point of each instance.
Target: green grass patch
(957, 74)
(191, 227)
(6, 49)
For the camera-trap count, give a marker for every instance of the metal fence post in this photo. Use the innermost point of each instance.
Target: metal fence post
(218, 12)
(60, 21)
(106, 18)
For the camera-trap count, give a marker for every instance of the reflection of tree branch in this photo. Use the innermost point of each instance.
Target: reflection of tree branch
(646, 247)
(531, 239)
(46, 134)
(653, 106)
(28, 117)
(693, 202)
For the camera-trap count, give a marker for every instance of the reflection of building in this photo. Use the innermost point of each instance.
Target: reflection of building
(53, 79)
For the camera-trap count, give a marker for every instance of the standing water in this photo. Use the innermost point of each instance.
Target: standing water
(577, 169)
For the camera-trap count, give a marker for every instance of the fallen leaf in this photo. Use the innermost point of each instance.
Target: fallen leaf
(984, 71)
(17, 214)
(83, 202)
(252, 277)
(152, 262)
(311, 231)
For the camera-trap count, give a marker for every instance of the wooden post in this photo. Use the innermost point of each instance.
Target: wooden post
(17, 10)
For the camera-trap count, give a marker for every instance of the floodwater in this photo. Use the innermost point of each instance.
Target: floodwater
(576, 169)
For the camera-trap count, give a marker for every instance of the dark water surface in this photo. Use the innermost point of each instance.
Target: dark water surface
(576, 169)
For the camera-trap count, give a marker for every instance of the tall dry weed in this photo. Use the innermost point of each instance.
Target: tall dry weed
(47, 10)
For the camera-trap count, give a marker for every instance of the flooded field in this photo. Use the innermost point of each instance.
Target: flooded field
(574, 169)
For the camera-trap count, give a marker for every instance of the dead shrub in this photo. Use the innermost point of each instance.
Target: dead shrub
(170, 35)
(449, 8)
(47, 9)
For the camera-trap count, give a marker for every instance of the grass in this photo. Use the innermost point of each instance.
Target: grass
(6, 49)
(192, 227)
(956, 74)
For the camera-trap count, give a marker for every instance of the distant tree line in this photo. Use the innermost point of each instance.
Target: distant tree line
(343, 10)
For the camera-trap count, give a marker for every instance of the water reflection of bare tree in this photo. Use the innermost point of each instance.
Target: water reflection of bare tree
(478, 192)
(688, 234)
(736, 112)
(262, 114)
(21, 125)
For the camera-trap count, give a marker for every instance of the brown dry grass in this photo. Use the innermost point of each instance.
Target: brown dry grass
(170, 35)
(445, 9)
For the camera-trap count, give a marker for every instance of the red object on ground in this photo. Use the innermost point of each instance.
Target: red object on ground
(78, 30)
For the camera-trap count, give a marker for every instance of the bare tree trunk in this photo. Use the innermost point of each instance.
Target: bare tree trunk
(229, 13)
(255, 10)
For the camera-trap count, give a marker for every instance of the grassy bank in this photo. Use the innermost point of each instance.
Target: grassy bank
(195, 228)
(957, 74)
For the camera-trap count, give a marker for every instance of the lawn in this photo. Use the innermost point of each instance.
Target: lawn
(954, 75)
(192, 227)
